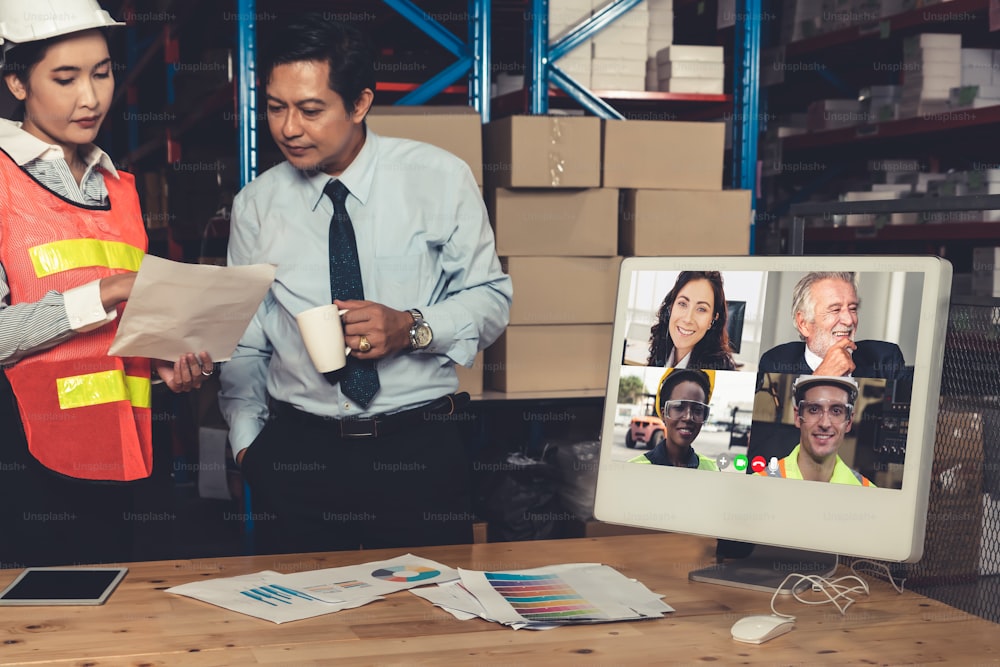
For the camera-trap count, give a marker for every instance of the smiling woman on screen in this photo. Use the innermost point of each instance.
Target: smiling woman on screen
(690, 328)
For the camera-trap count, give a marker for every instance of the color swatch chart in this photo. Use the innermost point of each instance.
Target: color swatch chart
(543, 597)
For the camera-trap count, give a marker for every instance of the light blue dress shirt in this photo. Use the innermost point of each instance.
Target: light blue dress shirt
(424, 241)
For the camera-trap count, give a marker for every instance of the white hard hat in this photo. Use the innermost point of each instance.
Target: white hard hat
(24, 21)
(847, 383)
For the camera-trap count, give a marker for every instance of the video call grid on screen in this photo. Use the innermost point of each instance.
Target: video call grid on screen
(751, 424)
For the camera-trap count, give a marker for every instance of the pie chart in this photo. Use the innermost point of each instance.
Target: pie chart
(405, 573)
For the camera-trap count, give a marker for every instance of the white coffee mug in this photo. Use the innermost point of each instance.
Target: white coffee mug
(323, 334)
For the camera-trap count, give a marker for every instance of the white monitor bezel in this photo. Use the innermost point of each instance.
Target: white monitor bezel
(886, 524)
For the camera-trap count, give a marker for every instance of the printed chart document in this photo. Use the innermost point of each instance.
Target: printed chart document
(548, 597)
(176, 308)
(279, 598)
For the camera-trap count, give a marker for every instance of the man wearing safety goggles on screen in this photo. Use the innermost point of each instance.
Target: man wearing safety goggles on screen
(824, 409)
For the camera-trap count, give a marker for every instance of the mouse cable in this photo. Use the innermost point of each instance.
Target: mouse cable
(834, 589)
(875, 569)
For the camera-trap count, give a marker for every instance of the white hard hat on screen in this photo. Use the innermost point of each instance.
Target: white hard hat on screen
(23, 21)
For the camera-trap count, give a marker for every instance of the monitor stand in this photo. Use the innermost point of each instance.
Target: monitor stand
(765, 569)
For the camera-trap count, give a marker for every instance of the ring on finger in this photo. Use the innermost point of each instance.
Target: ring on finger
(364, 345)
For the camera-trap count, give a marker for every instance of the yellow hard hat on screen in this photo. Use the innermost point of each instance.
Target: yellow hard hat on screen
(681, 375)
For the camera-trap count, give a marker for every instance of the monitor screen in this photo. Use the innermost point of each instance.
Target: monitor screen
(813, 431)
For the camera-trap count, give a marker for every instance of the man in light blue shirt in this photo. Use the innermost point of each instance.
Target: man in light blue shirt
(327, 472)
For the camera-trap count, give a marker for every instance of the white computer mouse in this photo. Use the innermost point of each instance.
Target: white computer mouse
(759, 629)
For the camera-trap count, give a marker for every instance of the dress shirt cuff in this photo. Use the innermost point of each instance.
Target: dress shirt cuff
(84, 308)
(449, 339)
(243, 430)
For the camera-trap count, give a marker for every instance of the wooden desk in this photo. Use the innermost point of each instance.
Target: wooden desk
(141, 625)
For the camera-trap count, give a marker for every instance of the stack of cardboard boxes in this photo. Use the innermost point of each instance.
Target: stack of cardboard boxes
(556, 233)
(671, 177)
(567, 196)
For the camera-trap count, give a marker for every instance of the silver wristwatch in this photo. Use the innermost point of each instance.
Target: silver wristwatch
(420, 332)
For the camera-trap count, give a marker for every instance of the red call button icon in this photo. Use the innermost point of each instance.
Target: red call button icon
(758, 463)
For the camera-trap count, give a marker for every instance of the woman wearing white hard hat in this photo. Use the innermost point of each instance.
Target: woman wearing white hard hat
(71, 239)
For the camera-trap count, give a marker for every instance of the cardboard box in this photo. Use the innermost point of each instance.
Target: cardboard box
(563, 290)
(663, 154)
(555, 222)
(543, 152)
(550, 357)
(458, 130)
(471, 379)
(684, 222)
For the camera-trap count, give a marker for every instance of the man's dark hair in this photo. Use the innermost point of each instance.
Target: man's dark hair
(313, 36)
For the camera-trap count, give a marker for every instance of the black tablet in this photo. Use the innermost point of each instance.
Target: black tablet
(62, 585)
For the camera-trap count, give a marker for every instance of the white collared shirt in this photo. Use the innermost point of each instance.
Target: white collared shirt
(30, 327)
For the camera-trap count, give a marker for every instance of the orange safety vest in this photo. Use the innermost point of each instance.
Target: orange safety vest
(85, 414)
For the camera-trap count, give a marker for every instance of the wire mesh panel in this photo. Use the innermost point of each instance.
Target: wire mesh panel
(961, 562)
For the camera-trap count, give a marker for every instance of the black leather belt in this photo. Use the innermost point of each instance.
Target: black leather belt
(377, 425)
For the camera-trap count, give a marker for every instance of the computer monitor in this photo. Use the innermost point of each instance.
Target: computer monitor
(868, 440)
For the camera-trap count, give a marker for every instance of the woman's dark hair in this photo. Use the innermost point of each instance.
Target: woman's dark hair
(313, 36)
(712, 351)
(679, 375)
(21, 59)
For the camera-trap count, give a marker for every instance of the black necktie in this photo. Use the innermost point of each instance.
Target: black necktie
(358, 379)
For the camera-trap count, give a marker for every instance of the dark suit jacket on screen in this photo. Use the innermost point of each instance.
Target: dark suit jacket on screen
(872, 359)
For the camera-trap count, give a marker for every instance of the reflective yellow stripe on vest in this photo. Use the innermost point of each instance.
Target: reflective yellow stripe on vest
(81, 391)
(58, 256)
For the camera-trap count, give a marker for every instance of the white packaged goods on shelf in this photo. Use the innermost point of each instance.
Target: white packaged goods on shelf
(698, 69)
(693, 86)
(612, 82)
(660, 33)
(932, 41)
(893, 165)
(676, 52)
(930, 69)
(660, 11)
(619, 66)
(622, 50)
(977, 67)
(616, 33)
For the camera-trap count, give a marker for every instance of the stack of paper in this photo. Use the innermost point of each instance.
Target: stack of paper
(547, 597)
(280, 598)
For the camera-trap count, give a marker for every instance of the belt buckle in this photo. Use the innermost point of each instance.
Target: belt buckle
(370, 433)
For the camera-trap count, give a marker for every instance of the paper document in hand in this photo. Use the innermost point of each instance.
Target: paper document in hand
(176, 308)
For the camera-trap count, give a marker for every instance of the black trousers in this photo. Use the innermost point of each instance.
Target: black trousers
(313, 490)
(50, 519)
